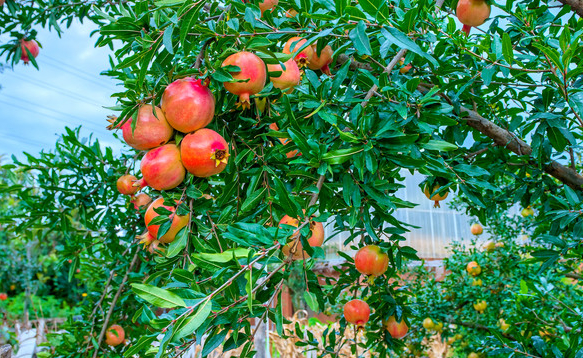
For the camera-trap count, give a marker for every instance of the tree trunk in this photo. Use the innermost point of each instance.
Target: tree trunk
(576, 5)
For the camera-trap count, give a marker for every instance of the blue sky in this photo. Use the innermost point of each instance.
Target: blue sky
(35, 106)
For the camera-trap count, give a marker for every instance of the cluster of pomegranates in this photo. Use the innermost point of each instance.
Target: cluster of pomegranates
(371, 261)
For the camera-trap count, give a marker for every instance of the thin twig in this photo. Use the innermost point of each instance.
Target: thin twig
(388, 70)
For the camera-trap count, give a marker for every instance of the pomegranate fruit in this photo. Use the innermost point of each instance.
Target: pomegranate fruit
(288, 78)
(140, 200)
(125, 184)
(476, 229)
(357, 312)
(204, 153)
(473, 268)
(528, 211)
(178, 222)
(188, 104)
(114, 335)
(252, 68)
(291, 13)
(405, 69)
(303, 57)
(162, 168)
(433, 195)
(316, 228)
(370, 260)
(480, 306)
(146, 238)
(151, 130)
(154, 248)
(323, 61)
(472, 13)
(32, 46)
(490, 246)
(267, 5)
(473, 355)
(397, 330)
(3, 296)
(295, 249)
(428, 323)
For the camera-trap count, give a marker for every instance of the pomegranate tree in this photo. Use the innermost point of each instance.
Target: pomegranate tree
(371, 261)
(288, 78)
(162, 168)
(32, 47)
(357, 312)
(204, 153)
(151, 129)
(472, 13)
(252, 70)
(114, 335)
(188, 104)
(321, 61)
(178, 221)
(304, 57)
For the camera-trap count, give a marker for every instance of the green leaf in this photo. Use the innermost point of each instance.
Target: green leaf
(191, 323)
(507, 49)
(167, 39)
(253, 200)
(440, 145)
(179, 243)
(312, 301)
(360, 39)
(340, 156)
(159, 297)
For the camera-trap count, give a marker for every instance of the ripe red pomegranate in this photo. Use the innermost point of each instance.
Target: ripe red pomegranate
(302, 58)
(125, 184)
(188, 104)
(146, 238)
(472, 13)
(476, 229)
(432, 194)
(162, 168)
(3, 296)
(32, 46)
(150, 130)
(204, 153)
(404, 69)
(267, 5)
(321, 62)
(370, 260)
(289, 78)
(357, 312)
(252, 68)
(114, 335)
(178, 222)
(291, 13)
(140, 200)
(397, 330)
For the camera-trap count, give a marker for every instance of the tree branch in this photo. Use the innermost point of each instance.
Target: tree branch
(576, 5)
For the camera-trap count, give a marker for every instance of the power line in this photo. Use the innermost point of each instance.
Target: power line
(46, 85)
(80, 73)
(73, 124)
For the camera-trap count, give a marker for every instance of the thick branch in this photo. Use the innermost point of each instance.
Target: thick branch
(576, 5)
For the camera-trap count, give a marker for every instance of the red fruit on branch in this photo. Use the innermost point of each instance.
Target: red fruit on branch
(288, 78)
(284, 141)
(178, 222)
(125, 184)
(357, 312)
(151, 130)
(303, 57)
(370, 260)
(114, 335)
(146, 238)
(32, 46)
(251, 68)
(188, 104)
(316, 228)
(397, 330)
(162, 168)
(472, 13)
(322, 61)
(3, 296)
(140, 200)
(432, 194)
(204, 153)
(154, 248)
